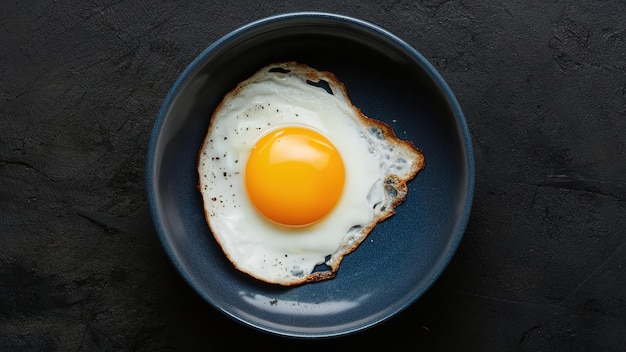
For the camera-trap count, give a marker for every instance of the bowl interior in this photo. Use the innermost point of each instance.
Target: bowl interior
(401, 257)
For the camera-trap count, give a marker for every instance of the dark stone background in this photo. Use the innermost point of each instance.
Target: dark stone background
(541, 266)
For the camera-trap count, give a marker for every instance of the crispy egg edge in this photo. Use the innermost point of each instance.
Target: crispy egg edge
(392, 182)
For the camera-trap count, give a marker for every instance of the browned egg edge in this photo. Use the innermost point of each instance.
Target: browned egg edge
(391, 182)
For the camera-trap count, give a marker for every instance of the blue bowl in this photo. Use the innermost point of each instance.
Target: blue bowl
(401, 258)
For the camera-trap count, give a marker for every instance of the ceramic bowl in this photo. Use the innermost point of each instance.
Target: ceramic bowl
(401, 258)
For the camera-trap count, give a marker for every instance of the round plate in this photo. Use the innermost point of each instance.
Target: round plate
(402, 257)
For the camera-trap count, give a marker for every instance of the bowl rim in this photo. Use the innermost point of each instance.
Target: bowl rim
(223, 41)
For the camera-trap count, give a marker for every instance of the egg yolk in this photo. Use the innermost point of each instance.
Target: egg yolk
(294, 176)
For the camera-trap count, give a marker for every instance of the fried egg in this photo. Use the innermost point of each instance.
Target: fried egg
(294, 177)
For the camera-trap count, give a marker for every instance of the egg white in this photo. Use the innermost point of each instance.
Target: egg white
(270, 99)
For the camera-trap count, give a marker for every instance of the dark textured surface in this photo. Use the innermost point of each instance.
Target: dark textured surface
(542, 263)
